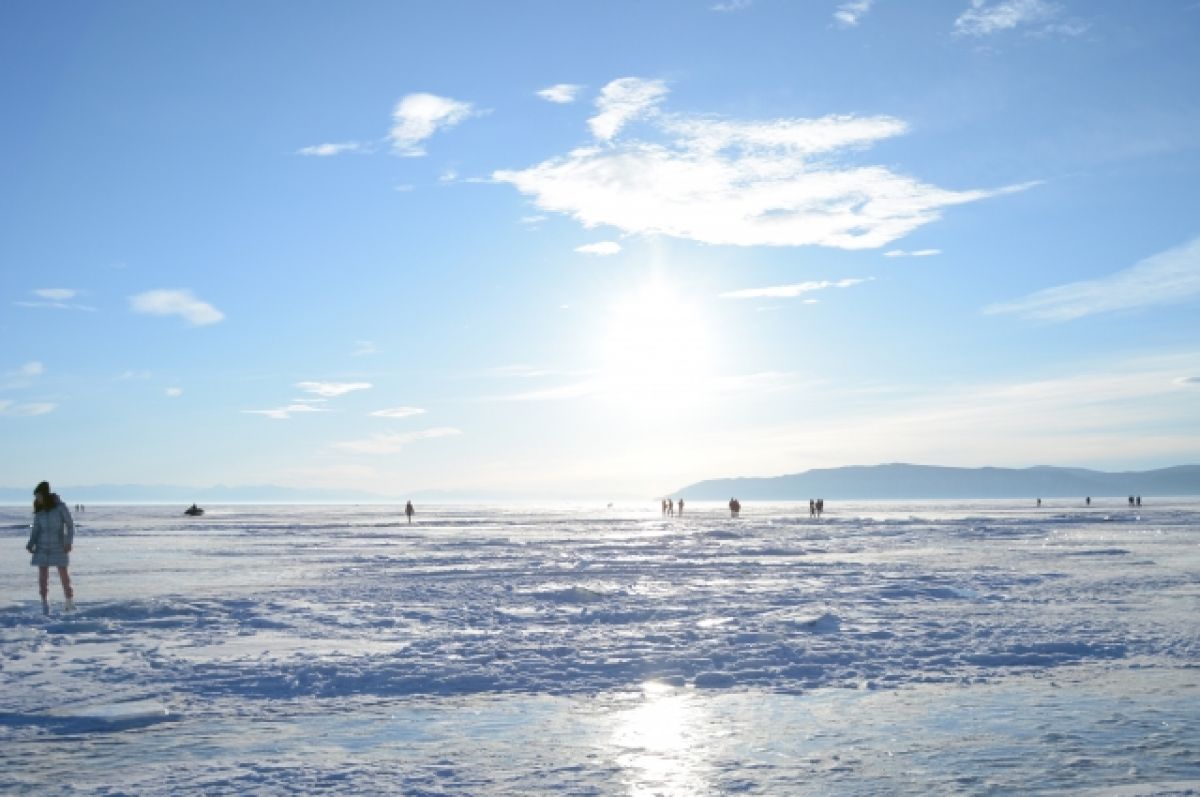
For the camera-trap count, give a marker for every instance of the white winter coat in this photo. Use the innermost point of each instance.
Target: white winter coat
(53, 531)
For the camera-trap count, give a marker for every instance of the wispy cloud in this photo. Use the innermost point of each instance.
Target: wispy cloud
(176, 302)
(332, 389)
(392, 443)
(398, 412)
(173, 392)
(560, 92)
(850, 13)
(285, 413)
(362, 348)
(13, 409)
(56, 294)
(16, 379)
(601, 248)
(329, 150)
(559, 393)
(1168, 277)
(622, 101)
(917, 253)
(1189, 380)
(418, 116)
(521, 371)
(21, 377)
(796, 289)
(732, 5)
(984, 18)
(415, 119)
(775, 183)
(56, 299)
(1102, 413)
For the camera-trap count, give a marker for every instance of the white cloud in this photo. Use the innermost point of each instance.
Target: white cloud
(562, 393)
(22, 377)
(1189, 380)
(917, 253)
(12, 409)
(1168, 277)
(732, 5)
(418, 116)
(363, 347)
(622, 101)
(332, 389)
(285, 413)
(174, 392)
(797, 289)
(56, 299)
(560, 92)
(176, 302)
(773, 183)
(850, 13)
(329, 150)
(133, 375)
(1110, 412)
(983, 18)
(56, 294)
(601, 248)
(398, 412)
(391, 443)
(521, 371)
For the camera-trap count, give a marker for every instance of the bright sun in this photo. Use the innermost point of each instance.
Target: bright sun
(655, 350)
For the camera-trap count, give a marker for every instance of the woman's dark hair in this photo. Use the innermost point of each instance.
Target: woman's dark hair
(43, 499)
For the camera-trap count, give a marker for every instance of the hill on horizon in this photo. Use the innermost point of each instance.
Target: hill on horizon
(899, 481)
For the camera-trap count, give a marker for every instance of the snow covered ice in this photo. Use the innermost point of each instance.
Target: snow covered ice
(891, 648)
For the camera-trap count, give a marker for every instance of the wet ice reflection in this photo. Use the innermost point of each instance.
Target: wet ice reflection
(660, 744)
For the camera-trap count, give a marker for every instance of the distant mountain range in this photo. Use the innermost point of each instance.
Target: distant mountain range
(858, 482)
(927, 481)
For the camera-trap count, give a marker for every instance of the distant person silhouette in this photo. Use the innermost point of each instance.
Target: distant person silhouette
(681, 507)
(820, 507)
(1139, 500)
(1087, 501)
(50, 540)
(409, 511)
(1039, 502)
(671, 506)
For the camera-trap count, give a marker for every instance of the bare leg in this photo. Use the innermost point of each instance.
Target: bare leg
(65, 578)
(44, 587)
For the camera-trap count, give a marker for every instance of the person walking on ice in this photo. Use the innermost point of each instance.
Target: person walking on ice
(50, 540)
(409, 511)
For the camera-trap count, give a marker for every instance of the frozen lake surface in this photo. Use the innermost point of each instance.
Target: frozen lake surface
(891, 648)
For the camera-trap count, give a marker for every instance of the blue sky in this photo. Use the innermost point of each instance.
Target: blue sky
(594, 249)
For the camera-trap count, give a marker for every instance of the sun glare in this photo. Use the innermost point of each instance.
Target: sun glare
(655, 350)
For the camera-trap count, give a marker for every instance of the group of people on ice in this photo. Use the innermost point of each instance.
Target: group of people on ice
(668, 506)
(816, 507)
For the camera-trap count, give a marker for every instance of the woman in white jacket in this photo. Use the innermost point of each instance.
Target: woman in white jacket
(50, 542)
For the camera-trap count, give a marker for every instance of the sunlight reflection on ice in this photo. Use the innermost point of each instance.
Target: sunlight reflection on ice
(658, 744)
